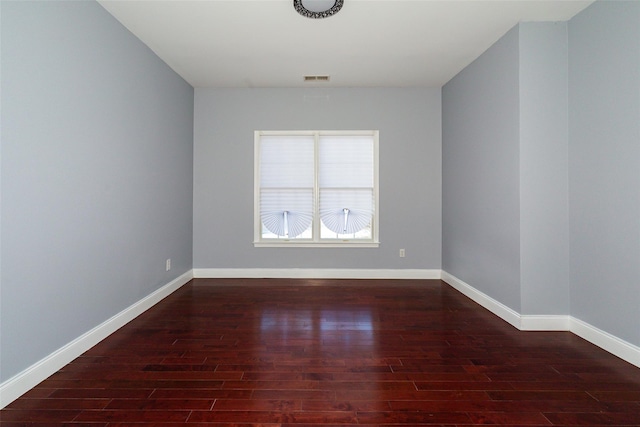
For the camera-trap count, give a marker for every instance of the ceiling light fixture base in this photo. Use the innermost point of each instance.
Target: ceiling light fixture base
(299, 6)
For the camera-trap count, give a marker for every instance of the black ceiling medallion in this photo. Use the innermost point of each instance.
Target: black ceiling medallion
(319, 14)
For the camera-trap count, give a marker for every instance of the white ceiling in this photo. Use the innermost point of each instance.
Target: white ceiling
(266, 43)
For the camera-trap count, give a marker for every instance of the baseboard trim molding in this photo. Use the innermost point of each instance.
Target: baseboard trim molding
(505, 313)
(19, 384)
(313, 273)
(24, 381)
(544, 322)
(614, 345)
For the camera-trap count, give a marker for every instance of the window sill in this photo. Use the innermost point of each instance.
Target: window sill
(294, 244)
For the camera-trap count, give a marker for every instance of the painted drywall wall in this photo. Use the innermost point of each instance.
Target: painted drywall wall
(579, 205)
(409, 121)
(604, 167)
(544, 203)
(97, 152)
(481, 197)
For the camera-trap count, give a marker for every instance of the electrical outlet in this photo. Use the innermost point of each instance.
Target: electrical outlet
(402, 253)
(168, 264)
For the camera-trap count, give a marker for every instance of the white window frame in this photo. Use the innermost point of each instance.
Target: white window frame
(316, 241)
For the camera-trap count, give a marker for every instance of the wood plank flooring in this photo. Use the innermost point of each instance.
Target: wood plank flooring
(331, 353)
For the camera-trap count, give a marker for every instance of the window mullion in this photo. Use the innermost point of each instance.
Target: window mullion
(316, 189)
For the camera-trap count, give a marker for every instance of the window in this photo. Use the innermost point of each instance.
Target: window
(316, 188)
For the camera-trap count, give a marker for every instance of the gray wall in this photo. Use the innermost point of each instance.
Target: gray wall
(604, 168)
(409, 121)
(544, 208)
(97, 156)
(568, 99)
(480, 160)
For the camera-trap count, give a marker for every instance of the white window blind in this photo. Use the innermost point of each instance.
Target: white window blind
(286, 185)
(346, 180)
(316, 187)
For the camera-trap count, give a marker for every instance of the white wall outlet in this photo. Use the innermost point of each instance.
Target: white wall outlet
(402, 253)
(168, 264)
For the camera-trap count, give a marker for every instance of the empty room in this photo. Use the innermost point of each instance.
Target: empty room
(320, 212)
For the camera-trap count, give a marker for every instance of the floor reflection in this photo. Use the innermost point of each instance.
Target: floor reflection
(327, 330)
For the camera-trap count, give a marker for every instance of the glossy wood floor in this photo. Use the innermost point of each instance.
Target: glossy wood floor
(292, 353)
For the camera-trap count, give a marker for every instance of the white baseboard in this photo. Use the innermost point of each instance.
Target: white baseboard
(16, 386)
(19, 384)
(313, 273)
(545, 322)
(614, 345)
(505, 313)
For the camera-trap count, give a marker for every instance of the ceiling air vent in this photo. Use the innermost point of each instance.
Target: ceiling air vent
(316, 78)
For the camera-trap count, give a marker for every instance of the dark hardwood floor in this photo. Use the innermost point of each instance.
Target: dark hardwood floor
(328, 352)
